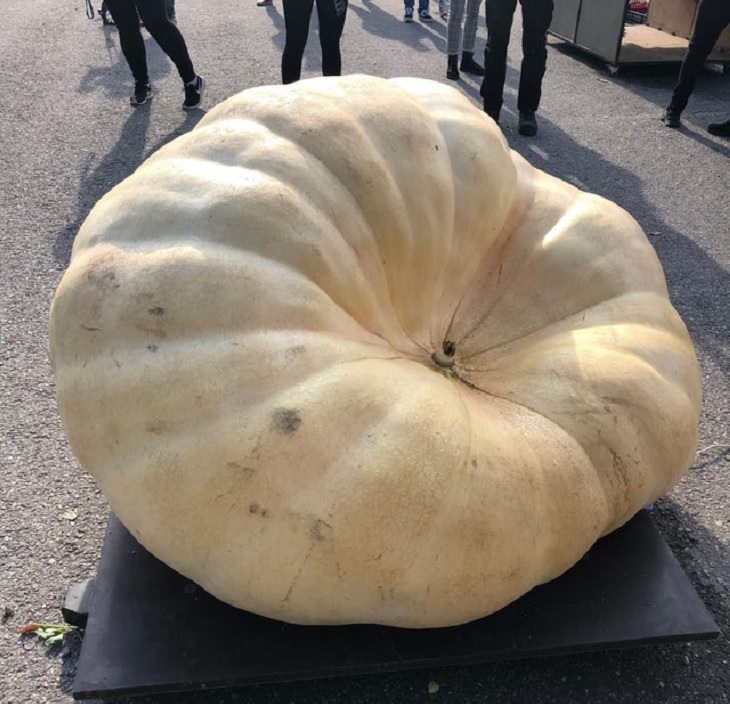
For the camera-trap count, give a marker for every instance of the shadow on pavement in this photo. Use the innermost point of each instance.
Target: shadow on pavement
(125, 156)
(654, 83)
(115, 78)
(389, 26)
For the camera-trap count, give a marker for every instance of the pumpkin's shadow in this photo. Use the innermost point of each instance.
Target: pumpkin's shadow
(129, 151)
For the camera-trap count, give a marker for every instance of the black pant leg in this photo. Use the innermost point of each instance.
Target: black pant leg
(499, 23)
(331, 14)
(167, 35)
(297, 14)
(124, 14)
(536, 18)
(712, 17)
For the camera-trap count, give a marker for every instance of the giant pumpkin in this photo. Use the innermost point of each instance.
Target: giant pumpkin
(340, 356)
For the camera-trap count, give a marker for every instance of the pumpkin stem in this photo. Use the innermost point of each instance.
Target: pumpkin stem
(444, 357)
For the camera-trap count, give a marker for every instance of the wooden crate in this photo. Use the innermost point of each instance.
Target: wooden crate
(677, 17)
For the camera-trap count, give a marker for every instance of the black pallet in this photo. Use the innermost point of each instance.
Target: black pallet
(151, 630)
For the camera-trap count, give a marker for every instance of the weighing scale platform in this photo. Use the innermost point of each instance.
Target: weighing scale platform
(150, 630)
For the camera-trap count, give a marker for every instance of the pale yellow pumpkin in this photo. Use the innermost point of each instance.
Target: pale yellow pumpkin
(339, 355)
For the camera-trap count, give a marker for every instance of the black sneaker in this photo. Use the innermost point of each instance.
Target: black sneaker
(671, 118)
(720, 129)
(194, 93)
(408, 15)
(424, 16)
(527, 124)
(142, 94)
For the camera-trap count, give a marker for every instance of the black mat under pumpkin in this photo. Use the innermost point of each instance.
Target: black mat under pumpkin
(150, 630)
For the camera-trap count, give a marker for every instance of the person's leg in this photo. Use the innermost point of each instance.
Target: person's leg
(296, 21)
(167, 35)
(499, 23)
(453, 38)
(331, 14)
(124, 14)
(536, 18)
(470, 24)
(470, 34)
(712, 17)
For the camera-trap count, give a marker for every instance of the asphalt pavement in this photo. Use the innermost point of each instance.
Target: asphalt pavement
(67, 135)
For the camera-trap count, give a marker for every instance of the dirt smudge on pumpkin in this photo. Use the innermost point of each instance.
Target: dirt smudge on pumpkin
(287, 420)
(157, 310)
(247, 472)
(619, 466)
(103, 277)
(320, 530)
(157, 426)
(152, 348)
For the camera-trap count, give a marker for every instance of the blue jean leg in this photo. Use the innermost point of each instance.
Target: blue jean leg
(422, 4)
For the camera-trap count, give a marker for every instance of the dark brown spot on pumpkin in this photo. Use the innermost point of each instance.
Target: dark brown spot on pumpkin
(474, 462)
(253, 508)
(152, 348)
(287, 420)
(157, 310)
(157, 426)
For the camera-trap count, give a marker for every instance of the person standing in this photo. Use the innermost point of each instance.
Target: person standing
(536, 17)
(423, 14)
(711, 19)
(153, 13)
(297, 13)
(454, 39)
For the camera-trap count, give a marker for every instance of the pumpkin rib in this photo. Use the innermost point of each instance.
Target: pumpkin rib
(568, 320)
(363, 218)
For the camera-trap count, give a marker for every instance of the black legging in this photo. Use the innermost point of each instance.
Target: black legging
(712, 18)
(297, 14)
(158, 24)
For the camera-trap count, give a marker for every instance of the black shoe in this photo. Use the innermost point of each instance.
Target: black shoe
(194, 93)
(671, 118)
(142, 94)
(452, 68)
(720, 129)
(468, 65)
(527, 124)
